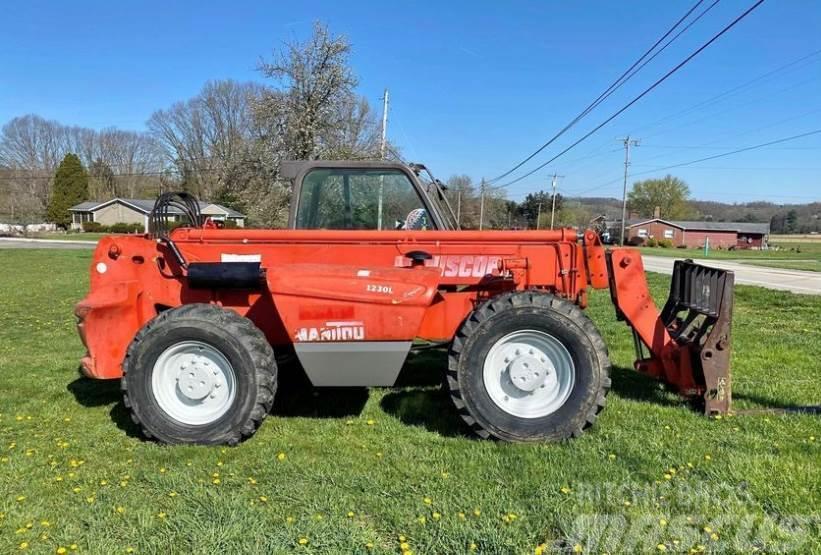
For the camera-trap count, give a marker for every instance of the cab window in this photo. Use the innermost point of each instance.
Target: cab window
(360, 199)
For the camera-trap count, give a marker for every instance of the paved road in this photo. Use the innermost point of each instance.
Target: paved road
(796, 281)
(20, 243)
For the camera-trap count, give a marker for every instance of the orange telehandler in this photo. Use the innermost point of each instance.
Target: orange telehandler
(193, 320)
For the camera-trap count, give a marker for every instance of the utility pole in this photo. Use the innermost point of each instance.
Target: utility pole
(383, 147)
(538, 215)
(482, 205)
(627, 144)
(553, 209)
(382, 151)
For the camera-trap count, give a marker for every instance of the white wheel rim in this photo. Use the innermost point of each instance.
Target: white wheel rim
(193, 383)
(529, 374)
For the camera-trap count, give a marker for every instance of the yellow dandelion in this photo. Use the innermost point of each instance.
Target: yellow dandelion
(61, 550)
(103, 482)
(422, 519)
(427, 500)
(369, 545)
(461, 516)
(404, 546)
(24, 545)
(662, 522)
(120, 510)
(473, 546)
(215, 475)
(371, 422)
(303, 541)
(21, 498)
(252, 481)
(668, 476)
(172, 494)
(219, 463)
(161, 515)
(216, 481)
(661, 547)
(627, 503)
(129, 549)
(280, 456)
(163, 470)
(477, 511)
(577, 548)
(289, 519)
(707, 529)
(436, 516)
(611, 456)
(714, 536)
(707, 457)
(565, 490)
(90, 499)
(349, 423)
(263, 499)
(350, 514)
(402, 538)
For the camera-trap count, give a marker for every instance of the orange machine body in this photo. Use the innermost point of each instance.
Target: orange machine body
(350, 286)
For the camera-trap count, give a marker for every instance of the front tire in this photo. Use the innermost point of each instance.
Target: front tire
(528, 366)
(201, 374)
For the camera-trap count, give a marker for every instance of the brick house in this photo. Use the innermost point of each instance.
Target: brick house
(741, 235)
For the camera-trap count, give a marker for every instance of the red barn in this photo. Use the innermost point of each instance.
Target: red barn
(741, 235)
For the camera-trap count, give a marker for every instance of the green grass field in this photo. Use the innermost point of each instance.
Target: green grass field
(391, 470)
(789, 255)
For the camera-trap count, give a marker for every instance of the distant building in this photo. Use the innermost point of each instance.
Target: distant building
(740, 235)
(132, 211)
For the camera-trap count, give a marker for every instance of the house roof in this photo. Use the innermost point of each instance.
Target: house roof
(145, 206)
(738, 227)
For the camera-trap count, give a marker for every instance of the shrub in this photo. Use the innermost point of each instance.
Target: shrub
(636, 241)
(121, 227)
(651, 242)
(665, 243)
(93, 227)
(681, 247)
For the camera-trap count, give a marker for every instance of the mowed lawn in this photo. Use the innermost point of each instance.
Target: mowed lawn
(789, 255)
(391, 470)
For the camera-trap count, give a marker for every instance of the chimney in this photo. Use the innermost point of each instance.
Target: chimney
(657, 212)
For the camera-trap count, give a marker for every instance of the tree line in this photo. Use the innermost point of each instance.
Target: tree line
(225, 144)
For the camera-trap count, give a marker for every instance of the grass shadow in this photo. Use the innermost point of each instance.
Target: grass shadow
(296, 397)
(98, 393)
(629, 384)
(768, 405)
(429, 408)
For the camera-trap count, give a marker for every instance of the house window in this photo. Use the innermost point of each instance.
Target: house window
(642, 233)
(668, 233)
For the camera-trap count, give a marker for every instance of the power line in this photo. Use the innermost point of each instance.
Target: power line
(642, 95)
(706, 158)
(623, 78)
(731, 91)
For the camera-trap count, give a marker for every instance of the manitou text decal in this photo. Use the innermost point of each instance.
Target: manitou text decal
(333, 331)
(460, 265)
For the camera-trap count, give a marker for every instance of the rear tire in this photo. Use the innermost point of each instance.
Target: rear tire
(528, 366)
(201, 374)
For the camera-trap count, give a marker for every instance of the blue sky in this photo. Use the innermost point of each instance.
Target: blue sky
(475, 86)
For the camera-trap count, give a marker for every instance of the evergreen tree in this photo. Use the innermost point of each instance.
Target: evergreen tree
(70, 188)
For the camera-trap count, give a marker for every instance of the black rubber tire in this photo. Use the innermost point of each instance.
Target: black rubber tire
(237, 338)
(502, 315)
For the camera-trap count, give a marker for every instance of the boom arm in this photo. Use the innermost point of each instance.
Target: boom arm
(689, 340)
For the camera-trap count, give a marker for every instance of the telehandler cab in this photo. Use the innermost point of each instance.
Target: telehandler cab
(192, 320)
